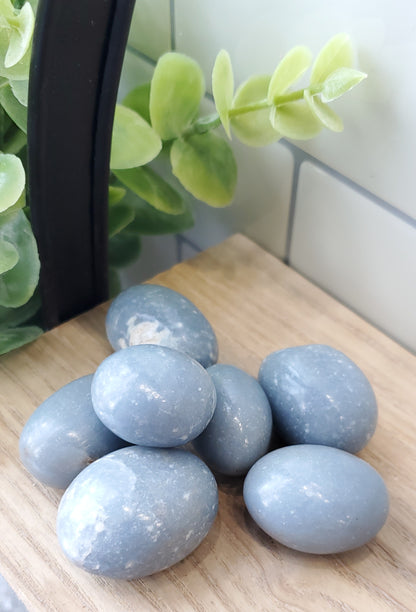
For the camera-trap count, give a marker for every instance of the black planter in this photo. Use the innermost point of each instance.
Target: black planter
(78, 50)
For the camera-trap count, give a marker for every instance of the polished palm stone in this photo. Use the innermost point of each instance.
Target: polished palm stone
(137, 511)
(316, 499)
(319, 396)
(239, 433)
(64, 435)
(152, 314)
(153, 395)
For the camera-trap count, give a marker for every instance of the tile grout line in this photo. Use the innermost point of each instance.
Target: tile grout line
(292, 205)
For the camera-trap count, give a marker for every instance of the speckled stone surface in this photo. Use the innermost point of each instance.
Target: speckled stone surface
(316, 499)
(137, 511)
(239, 433)
(319, 396)
(153, 395)
(158, 315)
(64, 435)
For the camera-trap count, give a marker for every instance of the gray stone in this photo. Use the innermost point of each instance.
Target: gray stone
(239, 433)
(64, 435)
(319, 396)
(153, 395)
(152, 314)
(316, 499)
(137, 511)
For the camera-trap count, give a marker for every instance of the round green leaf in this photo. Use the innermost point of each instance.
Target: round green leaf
(20, 90)
(205, 165)
(16, 111)
(289, 70)
(223, 88)
(11, 317)
(295, 120)
(253, 129)
(16, 337)
(20, 35)
(115, 194)
(138, 99)
(18, 284)
(176, 91)
(8, 256)
(124, 249)
(12, 180)
(118, 218)
(150, 221)
(134, 141)
(339, 82)
(19, 71)
(337, 53)
(324, 113)
(145, 183)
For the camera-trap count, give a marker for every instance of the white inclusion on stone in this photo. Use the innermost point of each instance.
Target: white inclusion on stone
(147, 332)
(188, 535)
(149, 392)
(187, 495)
(99, 527)
(122, 343)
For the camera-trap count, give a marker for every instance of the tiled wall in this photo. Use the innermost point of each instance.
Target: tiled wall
(341, 208)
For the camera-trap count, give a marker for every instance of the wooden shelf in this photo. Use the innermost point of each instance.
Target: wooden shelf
(256, 305)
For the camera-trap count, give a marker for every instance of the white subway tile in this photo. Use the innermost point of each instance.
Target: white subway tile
(150, 30)
(377, 148)
(357, 250)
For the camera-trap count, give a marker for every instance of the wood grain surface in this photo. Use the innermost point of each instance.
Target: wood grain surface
(256, 305)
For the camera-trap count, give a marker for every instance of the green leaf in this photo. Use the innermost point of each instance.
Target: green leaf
(145, 183)
(138, 99)
(115, 194)
(118, 218)
(289, 70)
(324, 113)
(295, 120)
(150, 221)
(18, 284)
(205, 165)
(11, 317)
(16, 337)
(8, 256)
(12, 180)
(176, 91)
(16, 111)
(253, 129)
(223, 88)
(124, 249)
(339, 82)
(337, 53)
(21, 35)
(19, 71)
(134, 141)
(20, 90)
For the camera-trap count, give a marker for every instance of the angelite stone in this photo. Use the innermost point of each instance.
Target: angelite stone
(152, 314)
(64, 435)
(319, 396)
(316, 499)
(239, 433)
(153, 395)
(137, 511)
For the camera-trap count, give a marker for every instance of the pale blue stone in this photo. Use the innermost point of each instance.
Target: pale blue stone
(153, 395)
(64, 435)
(153, 314)
(316, 499)
(137, 511)
(319, 396)
(239, 433)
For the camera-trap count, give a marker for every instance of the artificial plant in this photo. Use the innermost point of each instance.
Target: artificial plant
(157, 126)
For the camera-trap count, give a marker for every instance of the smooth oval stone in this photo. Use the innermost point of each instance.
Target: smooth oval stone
(316, 499)
(137, 511)
(319, 396)
(153, 395)
(152, 314)
(64, 435)
(240, 431)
